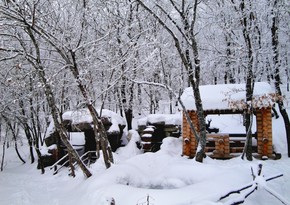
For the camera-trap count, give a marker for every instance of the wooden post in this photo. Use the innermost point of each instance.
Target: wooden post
(221, 145)
(264, 132)
(189, 142)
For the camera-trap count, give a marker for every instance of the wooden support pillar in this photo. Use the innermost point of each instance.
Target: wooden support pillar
(189, 142)
(264, 132)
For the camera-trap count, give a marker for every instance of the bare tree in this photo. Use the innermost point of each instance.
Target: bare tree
(16, 12)
(182, 31)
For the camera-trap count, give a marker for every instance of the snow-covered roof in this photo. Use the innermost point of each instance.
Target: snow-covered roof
(229, 96)
(168, 119)
(84, 116)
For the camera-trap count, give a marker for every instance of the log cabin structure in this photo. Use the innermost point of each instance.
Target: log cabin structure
(79, 127)
(230, 99)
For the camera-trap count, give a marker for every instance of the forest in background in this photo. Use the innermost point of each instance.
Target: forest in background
(61, 55)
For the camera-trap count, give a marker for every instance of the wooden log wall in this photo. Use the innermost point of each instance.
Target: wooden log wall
(264, 132)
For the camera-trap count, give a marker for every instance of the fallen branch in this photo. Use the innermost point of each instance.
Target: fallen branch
(238, 191)
(258, 180)
(276, 195)
(241, 199)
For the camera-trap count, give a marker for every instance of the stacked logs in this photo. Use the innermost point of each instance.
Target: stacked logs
(146, 138)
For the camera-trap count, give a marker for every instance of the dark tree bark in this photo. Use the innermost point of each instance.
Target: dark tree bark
(27, 132)
(250, 80)
(29, 136)
(228, 76)
(12, 128)
(277, 66)
(3, 154)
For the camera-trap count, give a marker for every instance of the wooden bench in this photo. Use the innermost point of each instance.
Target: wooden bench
(219, 145)
(222, 145)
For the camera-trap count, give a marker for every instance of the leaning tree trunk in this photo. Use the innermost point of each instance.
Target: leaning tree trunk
(37, 64)
(62, 133)
(200, 154)
(60, 129)
(188, 51)
(100, 131)
(284, 116)
(15, 141)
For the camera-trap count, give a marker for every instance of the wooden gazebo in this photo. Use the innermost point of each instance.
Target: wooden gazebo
(230, 99)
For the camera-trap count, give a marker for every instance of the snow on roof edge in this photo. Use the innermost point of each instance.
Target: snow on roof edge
(229, 96)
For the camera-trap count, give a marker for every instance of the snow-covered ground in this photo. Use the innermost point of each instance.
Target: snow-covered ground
(162, 178)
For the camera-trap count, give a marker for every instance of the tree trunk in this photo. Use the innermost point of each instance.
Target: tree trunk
(200, 154)
(186, 52)
(129, 117)
(15, 141)
(103, 139)
(194, 80)
(27, 132)
(275, 44)
(37, 64)
(286, 121)
(59, 128)
(3, 154)
(71, 165)
(249, 81)
(29, 136)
